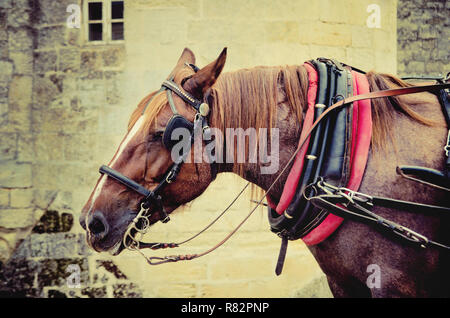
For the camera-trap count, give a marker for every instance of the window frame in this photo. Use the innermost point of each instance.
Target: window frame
(106, 22)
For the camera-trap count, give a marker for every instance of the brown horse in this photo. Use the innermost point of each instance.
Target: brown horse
(407, 130)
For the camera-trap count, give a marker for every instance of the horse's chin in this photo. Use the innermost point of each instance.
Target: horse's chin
(116, 249)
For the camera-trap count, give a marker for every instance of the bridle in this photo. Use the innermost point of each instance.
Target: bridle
(140, 224)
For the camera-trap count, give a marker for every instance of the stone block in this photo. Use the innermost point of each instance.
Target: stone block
(44, 199)
(46, 89)
(282, 31)
(51, 37)
(23, 62)
(20, 93)
(428, 45)
(84, 120)
(80, 176)
(19, 16)
(25, 149)
(433, 68)
(49, 146)
(326, 34)
(94, 292)
(383, 64)
(20, 90)
(191, 7)
(415, 67)
(114, 56)
(90, 61)
(428, 32)
(80, 147)
(69, 60)
(235, 9)
(53, 246)
(4, 50)
(21, 40)
(19, 277)
(73, 37)
(288, 10)
(335, 11)
(6, 4)
(196, 31)
(15, 175)
(49, 175)
(361, 37)
(4, 198)
(177, 290)
(114, 87)
(45, 62)
(228, 268)
(6, 73)
(126, 291)
(361, 58)
(91, 98)
(21, 198)
(3, 114)
(384, 40)
(16, 218)
(49, 120)
(8, 146)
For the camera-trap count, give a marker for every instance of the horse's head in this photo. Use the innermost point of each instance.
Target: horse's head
(146, 157)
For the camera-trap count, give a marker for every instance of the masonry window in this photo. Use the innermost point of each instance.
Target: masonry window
(105, 21)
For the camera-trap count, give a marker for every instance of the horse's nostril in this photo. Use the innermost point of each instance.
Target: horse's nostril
(97, 225)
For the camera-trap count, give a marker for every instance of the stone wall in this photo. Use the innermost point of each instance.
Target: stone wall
(53, 92)
(64, 105)
(423, 37)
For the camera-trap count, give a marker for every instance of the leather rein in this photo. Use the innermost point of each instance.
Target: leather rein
(356, 202)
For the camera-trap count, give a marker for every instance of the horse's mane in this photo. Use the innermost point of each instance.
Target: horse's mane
(249, 98)
(382, 108)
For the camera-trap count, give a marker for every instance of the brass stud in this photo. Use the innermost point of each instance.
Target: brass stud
(204, 109)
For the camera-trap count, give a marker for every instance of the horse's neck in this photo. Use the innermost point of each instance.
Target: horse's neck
(287, 129)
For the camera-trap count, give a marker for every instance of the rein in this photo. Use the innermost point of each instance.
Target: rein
(140, 224)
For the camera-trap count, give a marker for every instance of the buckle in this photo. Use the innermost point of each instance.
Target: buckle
(170, 176)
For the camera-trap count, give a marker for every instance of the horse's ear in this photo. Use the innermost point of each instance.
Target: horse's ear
(206, 77)
(186, 57)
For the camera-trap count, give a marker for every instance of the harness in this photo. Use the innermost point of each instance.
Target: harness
(324, 174)
(328, 158)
